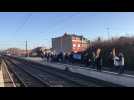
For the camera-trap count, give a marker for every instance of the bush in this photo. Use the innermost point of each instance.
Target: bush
(123, 44)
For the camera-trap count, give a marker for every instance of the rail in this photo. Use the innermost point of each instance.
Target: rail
(73, 78)
(23, 77)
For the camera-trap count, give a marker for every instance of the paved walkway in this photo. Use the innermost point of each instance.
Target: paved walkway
(123, 79)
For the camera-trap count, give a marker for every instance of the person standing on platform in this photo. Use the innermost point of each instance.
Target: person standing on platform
(99, 60)
(66, 57)
(121, 63)
(115, 60)
(48, 57)
(93, 58)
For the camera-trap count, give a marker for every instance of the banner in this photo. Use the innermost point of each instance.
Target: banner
(77, 56)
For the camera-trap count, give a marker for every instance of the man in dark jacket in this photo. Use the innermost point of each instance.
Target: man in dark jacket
(71, 57)
(66, 58)
(99, 63)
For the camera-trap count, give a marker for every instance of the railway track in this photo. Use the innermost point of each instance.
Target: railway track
(23, 77)
(51, 77)
(50, 80)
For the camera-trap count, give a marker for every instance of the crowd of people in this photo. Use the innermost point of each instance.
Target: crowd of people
(95, 59)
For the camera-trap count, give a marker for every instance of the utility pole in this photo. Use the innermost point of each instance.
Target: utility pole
(26, 49)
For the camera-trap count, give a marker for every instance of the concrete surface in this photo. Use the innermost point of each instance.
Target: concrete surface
(1, 79)
(123, 79)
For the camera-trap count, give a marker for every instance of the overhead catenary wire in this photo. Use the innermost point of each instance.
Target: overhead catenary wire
(63, 21)
(26, 19)
(58, 23)
(24, 22)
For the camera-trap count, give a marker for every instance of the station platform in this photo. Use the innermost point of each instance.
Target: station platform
(1, 78)
(125, 80)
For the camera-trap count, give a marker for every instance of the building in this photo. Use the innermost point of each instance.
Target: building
(36, 51)
(69, 43)
(17, 51)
